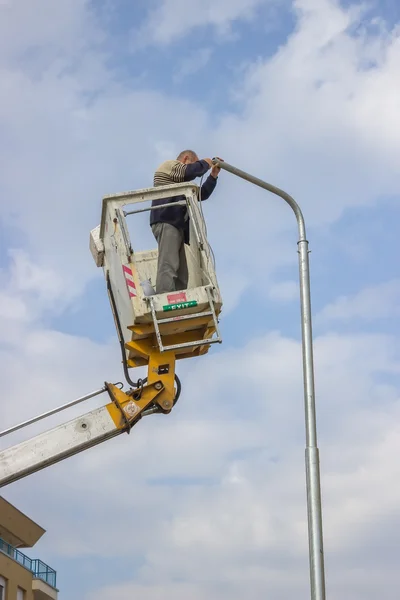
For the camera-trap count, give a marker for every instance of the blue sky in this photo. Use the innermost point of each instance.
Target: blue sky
(209, 502)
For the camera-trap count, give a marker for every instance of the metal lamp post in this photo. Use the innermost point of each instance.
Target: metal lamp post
(314, 509)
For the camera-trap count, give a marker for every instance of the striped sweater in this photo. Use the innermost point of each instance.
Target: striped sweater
(173, 171)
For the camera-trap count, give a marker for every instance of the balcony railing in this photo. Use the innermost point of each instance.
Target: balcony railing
(39, 569)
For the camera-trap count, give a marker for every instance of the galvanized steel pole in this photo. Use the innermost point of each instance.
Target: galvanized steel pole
(314, 509)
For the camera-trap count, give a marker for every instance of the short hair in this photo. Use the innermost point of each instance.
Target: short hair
(191, 153)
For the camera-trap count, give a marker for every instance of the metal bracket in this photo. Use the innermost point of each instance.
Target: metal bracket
(121, 410)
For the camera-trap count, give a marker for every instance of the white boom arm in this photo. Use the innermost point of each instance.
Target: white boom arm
(81, 433)
(53, 446)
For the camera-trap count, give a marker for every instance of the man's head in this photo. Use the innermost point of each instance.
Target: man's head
(187, 156)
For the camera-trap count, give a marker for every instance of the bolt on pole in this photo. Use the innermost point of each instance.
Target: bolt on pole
(314, 508)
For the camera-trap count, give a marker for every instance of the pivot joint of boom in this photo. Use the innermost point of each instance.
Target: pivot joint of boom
(155, 396)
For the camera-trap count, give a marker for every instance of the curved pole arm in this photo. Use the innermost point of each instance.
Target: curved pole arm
(270, 188)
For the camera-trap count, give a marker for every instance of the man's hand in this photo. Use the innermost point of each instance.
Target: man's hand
(209, 162)
(215, 169)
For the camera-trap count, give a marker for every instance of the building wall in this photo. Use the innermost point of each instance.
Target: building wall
(2, 588)
(16, 576)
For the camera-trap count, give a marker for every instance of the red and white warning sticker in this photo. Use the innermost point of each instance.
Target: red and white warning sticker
(176, 298)
(129, 281)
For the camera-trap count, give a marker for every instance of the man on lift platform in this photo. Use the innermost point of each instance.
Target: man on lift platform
(170, 225)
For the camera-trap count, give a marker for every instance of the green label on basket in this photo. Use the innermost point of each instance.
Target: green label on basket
(180, 305)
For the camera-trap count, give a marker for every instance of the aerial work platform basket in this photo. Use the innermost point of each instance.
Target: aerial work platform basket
(184, 322)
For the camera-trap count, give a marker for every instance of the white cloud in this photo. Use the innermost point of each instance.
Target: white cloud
(194, 63)
(337, 115)
(46, 26)
(31, 290)
(381, 301)
(284, 290)
(155, 592)
(173, 19)
(12, 308)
